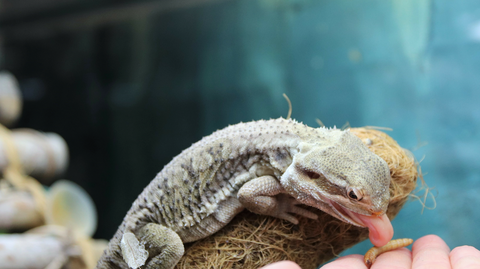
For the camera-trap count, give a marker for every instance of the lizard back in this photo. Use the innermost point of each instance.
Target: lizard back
(194, 184)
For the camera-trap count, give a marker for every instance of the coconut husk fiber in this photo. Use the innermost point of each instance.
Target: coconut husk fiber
(253, 241)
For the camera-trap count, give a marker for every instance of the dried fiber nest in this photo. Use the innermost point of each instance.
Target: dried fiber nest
(253, 241)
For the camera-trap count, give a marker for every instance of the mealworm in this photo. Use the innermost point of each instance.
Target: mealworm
(372, 253)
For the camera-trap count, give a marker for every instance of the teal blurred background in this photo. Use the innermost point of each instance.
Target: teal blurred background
(129, 84)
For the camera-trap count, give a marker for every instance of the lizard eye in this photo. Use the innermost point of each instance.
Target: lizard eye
(354, 194)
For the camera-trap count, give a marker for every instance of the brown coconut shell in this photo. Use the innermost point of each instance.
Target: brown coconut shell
(253, 241)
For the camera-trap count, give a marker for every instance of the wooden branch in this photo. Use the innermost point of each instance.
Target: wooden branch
(18, 211)
(28, 251)
(42, 155)
(49, 247)
(10, 99)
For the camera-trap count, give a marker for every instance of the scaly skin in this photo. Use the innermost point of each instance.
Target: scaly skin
(267, 167)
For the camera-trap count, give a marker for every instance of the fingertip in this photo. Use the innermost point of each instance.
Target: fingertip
(353, 261)
(430, 250)
(429, 241)
(431, 238)
(282, 265)
(465, 257)
(401, 258)
(465, 250)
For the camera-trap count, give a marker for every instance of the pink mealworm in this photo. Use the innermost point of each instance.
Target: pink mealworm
(372, 253)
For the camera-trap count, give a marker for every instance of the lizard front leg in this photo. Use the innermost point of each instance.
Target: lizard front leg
(164, 246)
(265, 196)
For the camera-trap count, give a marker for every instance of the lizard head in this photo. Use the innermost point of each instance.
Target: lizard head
(340, 176)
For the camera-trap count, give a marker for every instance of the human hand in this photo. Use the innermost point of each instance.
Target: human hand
(427, 252)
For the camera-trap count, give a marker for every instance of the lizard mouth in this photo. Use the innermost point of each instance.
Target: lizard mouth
(347, 215)
(378, 224)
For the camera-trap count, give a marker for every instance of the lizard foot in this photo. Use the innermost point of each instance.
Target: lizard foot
(265, 196)
(287, 204)
(164, 246)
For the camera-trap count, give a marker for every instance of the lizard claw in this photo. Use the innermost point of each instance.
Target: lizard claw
(303, 212)
(289, 205)
(288, 217)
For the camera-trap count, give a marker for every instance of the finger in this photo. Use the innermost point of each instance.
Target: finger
(282, 265)
(465, 257)
(399, 259)
(350, 262)
(430, 252)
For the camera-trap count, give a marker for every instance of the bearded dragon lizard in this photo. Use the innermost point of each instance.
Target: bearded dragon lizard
(268, 167)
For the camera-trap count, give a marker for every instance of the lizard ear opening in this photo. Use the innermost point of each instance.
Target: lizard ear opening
(309, 173)
(312, 175)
